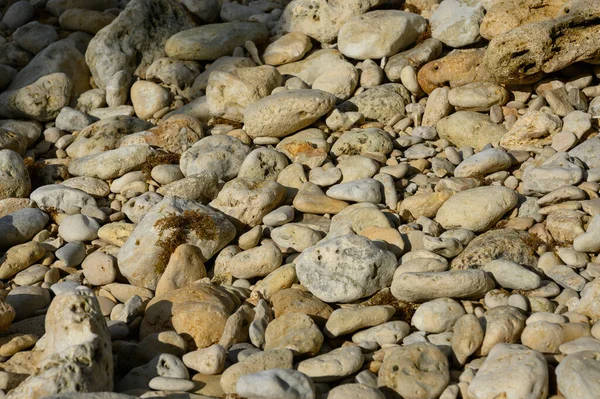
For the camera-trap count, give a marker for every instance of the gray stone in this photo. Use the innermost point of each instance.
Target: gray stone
(21, 226)
(577, 375)
(456, 22)
(62, 198)
(113, 163)
(221, 154)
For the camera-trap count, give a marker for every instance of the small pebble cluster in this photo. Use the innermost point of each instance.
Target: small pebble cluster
(300, 199)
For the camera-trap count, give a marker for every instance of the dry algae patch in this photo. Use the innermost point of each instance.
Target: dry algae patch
(174, 230)
(404, 310)
(159, 158)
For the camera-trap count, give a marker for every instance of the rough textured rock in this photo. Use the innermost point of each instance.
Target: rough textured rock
(470, 128)
(366, 268)
(135, 39)
(173, 221)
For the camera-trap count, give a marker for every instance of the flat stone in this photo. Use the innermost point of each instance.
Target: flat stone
(21, 226)
(468, 128)
(333, 365)
(576, 368)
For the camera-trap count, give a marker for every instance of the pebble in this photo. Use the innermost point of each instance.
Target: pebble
(276, 383)
(78, 228)
(345, 321)
(437, 316)
(334, 365)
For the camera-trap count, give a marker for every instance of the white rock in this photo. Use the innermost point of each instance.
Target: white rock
(437, 316)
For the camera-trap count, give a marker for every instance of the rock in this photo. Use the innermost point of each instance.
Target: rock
(263, 164)
(511, 275)
(366, 190)
(421, 287)
(483, 163)
(62, 198)
(185, 266)
(198, 312)
(21, 226)
(438, 315)
(307, 147)
(456, 69)
(281, 114)
(573, 370)
(201, 187)
(295, 237)
(210, 360)
(506, 15)
(355, 391)
(276, 383)
(34, 36)
(294, 331)
(100, 268)
(359, 141)
(380, 103)
(585, 152)
(326, 70)
(89, 21)
(507, 244)
(256, 362)
(366, 268)
(333, 365)
(113, 163)
(229, 92)
(105, 135)
(476, 209)
(67, 365)
(289, 48)
(467, 338)
(478, 96)
(58, 72)
(511, 370)
(165, 365)
(18, 14)
(130, 43)
(137, 207)
(148, 98)
(532, 132)
(322, 20)
(396, 30)
(291, 300)
(422, 53)
(222, 154)
(256, 262)
(467, 128)
(78, 228)
(512, 60)
(392, 332)
(456, 23)
(20, 257)
(503, 324)
(170, 223)
(27, 300)
(345, 321)
(416, 371)
(210, 42)
(311, 199)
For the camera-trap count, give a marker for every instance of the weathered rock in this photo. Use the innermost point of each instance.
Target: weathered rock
(222, 154)
(210, 42)
(288, 48)
(62, 198)
(276, 383)
(456, 22)
(467, 128)
(333, 365)
(366, 269)
(198, 312)
(577, 375)
(170, 223)
(380, 103)
(294, 331)
(113, 163)
(281, 114)
(532, 132)
(135, 39)
(379, 34)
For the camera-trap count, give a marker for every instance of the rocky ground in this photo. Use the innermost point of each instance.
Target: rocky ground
(306, 199)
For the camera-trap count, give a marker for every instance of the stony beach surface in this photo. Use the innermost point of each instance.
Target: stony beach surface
(300, 199)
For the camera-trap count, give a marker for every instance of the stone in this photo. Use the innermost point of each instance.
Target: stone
(76, 333)
(366, 268)
(511, 275)
(19, 257)
(130, 44)
(322, 20)
(425, 286)
(201, 187)
(34, 36)
(291, 300)
(333, 365)
(384, 41)
(100, 268)
(148, 98)
(137, 207)
(21, 226)
(345, 321)
(416, 57)
(325, 70)
(506, 15)
(210, 42)
(467, 338)
(438, 315)
(484, 163)
(381, 103)
(263, 164)
(468, 128)
(365, 190)
(256, 362)
(256, 262)
(295, 237)
(458, 68)
(248, 201)
(198, 312)
(307, 147)
(210, 360)
(296, 332)
(164, 365)
(222, 154)
(95, 187)
(418, 371)
(145, 255)
(359, 141)
(476, 209)
(355, 391)
(185, 266)
(392, 332)
(456, 23)
(585, 152)
(477, 96)
(288, 48)
(573, 370)
(513, 371)
(229, 92)
(281, 114)
(276, 383)
(113, 163)
(27, 300)
(532, 132)
(78, 228)
(503, 324)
